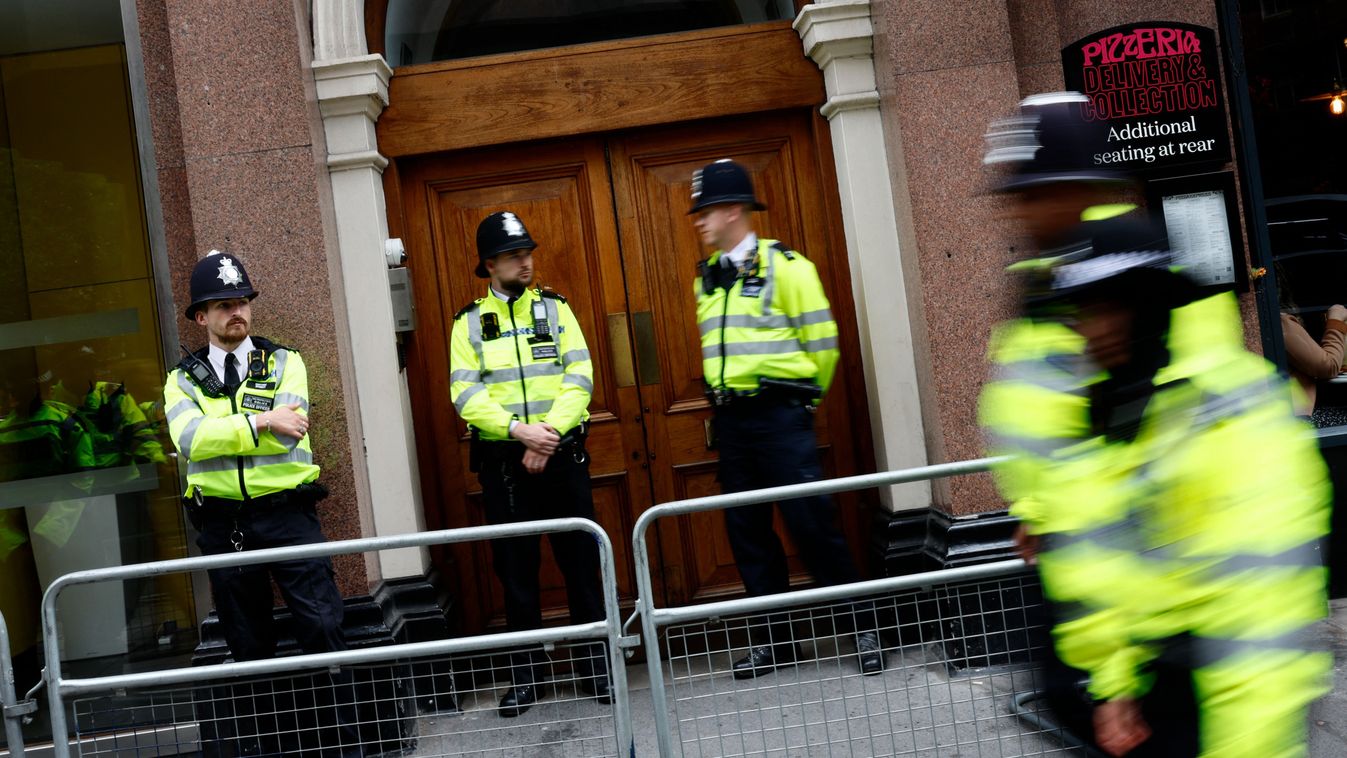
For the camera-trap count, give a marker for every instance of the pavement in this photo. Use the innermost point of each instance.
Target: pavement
(1328, 717)
(822, 707)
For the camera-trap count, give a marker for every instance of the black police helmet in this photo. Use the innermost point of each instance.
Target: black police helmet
(499, 233)
(723, 182)
(1049, 141)
(218, 276)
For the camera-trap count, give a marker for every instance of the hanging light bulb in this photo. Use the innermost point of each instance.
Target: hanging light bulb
(1336, 106)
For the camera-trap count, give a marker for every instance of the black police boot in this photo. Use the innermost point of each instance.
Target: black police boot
(764, 659)
(518, 699)
(870, 653)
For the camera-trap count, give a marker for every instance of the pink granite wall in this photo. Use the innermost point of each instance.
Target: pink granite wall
(236, 146)
(945, 70)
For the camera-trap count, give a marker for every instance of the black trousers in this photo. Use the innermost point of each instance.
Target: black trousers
(309, 714)
(768, 443)
(509, 495)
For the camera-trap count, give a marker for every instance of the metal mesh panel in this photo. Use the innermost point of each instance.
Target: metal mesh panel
(426, 707)
(956, 658)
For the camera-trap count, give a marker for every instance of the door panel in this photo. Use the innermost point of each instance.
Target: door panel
(563, 196)
(610, 218)
(652, 174)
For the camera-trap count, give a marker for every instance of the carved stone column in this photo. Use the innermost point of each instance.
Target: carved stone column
(352, 90)
(837, 35)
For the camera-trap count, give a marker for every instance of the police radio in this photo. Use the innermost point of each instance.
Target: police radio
(542, 331)
(257, 365)
(200, 373)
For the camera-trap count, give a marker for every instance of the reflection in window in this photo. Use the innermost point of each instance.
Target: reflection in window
(1297, 57)
(85, 481)
(421, 31)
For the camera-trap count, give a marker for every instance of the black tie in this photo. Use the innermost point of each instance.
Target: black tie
(231, 377)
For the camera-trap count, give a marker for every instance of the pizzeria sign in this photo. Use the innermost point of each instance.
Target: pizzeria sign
(1156, 86)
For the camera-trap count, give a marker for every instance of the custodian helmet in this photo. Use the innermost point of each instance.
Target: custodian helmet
(723, 182)
(218, 276)
(499, 233)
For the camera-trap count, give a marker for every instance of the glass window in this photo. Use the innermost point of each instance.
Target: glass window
(1296, 60)
(85, 479)
(421, 31)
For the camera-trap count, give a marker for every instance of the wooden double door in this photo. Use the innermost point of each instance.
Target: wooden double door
(609, 214)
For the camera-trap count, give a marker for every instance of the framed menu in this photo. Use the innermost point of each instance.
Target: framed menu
(1201, 217)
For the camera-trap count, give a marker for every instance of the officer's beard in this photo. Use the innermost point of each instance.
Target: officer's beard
(515, 287)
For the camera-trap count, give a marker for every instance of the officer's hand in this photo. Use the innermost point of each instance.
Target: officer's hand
(1337, 312)
(534, 463)
(284, 420)
(1027, 545)
(538, 438)
(1119, 726)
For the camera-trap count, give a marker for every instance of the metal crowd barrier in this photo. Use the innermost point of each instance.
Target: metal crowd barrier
(961, 645)
(10, 707)
(399, 699)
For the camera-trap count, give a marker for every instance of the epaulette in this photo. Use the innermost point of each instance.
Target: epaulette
(467, 308)
(780, 248)
(270, 347)
(550, 293)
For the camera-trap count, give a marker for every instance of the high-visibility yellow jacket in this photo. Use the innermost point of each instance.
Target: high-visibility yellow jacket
(503, 367)
(1035, 405)
(1205, 528)
(121, 431)
(772, 322)
(225, 457)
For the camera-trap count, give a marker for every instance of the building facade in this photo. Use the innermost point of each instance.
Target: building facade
(303, 136)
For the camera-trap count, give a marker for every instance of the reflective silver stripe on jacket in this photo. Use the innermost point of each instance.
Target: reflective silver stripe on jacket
(574, 356)
(809, 318)
(475, 333)
(583, 382)
(823, 343)
(514, 373)
(771, 347)
(230, 462)
(285, 398)
(182, 407)
(773, 321)
(188, 434)
(769, 287)
(465, 375)
(279, 359)
(531, 408)
(466, 395)
(188, 388)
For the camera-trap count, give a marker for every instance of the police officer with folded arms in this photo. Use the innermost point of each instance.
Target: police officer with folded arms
(238, 411)
(520, 376)
(769, 350)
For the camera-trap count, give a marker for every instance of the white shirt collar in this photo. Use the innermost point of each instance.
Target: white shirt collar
(217, 357)
(746, 247)
(504, 298)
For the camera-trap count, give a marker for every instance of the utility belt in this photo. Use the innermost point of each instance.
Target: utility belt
(793, 392)
(481, 451)
(204, 510)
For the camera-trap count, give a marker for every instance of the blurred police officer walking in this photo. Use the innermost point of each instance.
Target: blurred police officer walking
(521, 378)
(769, 349)
(238, 411)
(1182, 582)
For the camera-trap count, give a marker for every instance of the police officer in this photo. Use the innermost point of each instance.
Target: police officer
(1036, 403)
(238, 412)
(521, 378)
(1179, 555)
(769, 349)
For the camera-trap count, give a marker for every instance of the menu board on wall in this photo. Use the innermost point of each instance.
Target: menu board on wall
(1199, 234)
(1156, 85)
